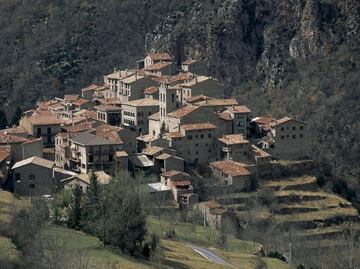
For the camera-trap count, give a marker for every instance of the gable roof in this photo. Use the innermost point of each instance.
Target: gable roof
(239, 109)
(34, 160)
(89, 88)
(231, 168)
(155, 56)
(233, 139)
(87, 139)
(157, 66)
(284, 120)
(172, 173)
(151, 90)
(217, 102)
(142, 102)
(182, 111)
(198, 126)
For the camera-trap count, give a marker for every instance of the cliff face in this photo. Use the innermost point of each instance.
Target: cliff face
(282, 57)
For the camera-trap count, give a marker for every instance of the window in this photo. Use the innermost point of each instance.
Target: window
(293, 136)
(282, 137)
(282, 129)
(301, 135)
(196, 152)
(201, 136)
(209, 135)
(110, 158)
(294, 128)
(31, 178)
(189, 137)
(49, 130)
(17, 178)
(91, 158)
(196, 145)
(287, 136)
(172, 98)
(245, 153)
(196, 136)
(301, 127)
(38, 131)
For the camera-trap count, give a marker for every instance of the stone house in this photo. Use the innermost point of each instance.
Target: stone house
(194, 143)
(87, 151)
(88, 92)
(215, 104)
(290, 139)
(21, 146)
(132, 87)
(238, 117)
(154, 58)
(233, 147)
(4, 164)
(113, 82)
(135, 113)
(167, 162)
(202, 85)
(231, 173)
(33, 177)
(109, 114)
(152, 93)
(83, 180)
(189, 114)
(167, 100)
(42, 125)
(160, 69)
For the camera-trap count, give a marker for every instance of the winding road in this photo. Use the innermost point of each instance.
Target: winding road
(207, 254)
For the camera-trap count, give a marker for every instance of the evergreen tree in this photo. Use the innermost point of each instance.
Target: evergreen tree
(17, 116)
(162, 128)
(126, 224)
(3, 120)
(92, 206)
(75, 214)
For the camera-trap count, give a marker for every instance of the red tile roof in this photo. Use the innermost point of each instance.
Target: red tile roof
(172, 173)
(82, 127)
(159, 56)
(151, 90)
(108, 108)
(198, 126)
(89, 88)
(4, 153)
(233, 139)
(182, 111)
(188, 61)
(39, 119)
(231, 168)
(181, 183)
(71, 97)
(80, 101)
(239, 109)
(157, 66)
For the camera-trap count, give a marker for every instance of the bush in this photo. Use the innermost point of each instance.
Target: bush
(276, 255)
(320, 181)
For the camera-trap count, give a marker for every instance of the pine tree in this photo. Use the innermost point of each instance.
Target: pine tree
(75, 214)
(17, 116)
(162, 128)
(92, 206)
(3, 120)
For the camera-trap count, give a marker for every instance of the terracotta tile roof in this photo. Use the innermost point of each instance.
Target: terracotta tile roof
(15, 130)
(152, 150)
(4, 153)
(284, 120)
(217, 102)
(159, 56)
(233, 139)
(88, 139)
(121, 74)
(120, 154)
(259, 153)
(172, 173)
(179, 78)
(182, 111)
(37, 119)
(89, 114)
(89, 88)
(146, 138)
(212, 204)
(157, 66)
(231, 168)
(142, 102)
(163, 156)
(132, 78)
(174, 134)
(195, 81)
(239, 109)
(71, 97)
(151, 90)
(109, 132)
(197, 98)
(10, 138)
(263, 120)
(198, 126)
(82, 127)
(81, 101)
(108, 108)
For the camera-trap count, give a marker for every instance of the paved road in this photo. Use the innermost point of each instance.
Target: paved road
(207, 254)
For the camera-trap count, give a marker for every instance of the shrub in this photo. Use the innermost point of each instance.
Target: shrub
(276, 255)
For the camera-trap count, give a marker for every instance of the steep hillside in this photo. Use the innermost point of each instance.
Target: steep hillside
(280, 57)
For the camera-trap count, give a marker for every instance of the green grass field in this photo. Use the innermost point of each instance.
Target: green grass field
(175, 253)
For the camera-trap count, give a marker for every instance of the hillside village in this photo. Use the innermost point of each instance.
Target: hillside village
(178, 124)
